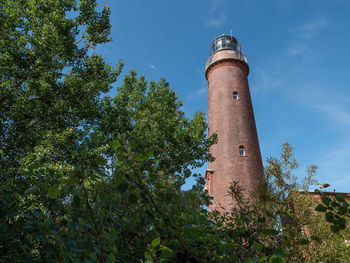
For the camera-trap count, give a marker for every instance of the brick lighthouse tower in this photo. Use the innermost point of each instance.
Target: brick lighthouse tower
(231, 117)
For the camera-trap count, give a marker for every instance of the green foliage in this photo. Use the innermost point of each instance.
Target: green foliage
(90, 178)
(336, 211)
(50, 90)
(53, 191)
(86, 177)
(287, 200)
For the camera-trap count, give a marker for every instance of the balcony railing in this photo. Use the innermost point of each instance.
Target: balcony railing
(236, 55)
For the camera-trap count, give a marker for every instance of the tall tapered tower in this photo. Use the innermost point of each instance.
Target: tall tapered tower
(231, 117)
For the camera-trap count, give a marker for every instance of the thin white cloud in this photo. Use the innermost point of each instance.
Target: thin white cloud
(270, 78)
(331, 104)
(296, 49)
(340, 180)
(199, 71)
(217, 15)
(202, 91)
(216, 22)
(333, 163)
(310, 29)
(287, 78)
(334, 166)
(152, 66)
(335, 113)
(215, 4)
(299, 44)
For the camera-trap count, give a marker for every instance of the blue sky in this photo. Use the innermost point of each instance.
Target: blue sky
(299, 67)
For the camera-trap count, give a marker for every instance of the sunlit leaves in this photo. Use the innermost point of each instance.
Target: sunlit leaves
(115, 145)
(53, 191)
(156, 242)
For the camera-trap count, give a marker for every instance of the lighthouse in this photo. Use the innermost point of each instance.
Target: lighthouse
(230, 115)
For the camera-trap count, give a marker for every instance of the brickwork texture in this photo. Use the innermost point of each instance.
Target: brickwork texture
(232, 119)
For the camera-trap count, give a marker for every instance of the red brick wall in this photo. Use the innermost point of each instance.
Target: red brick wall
(233, 121)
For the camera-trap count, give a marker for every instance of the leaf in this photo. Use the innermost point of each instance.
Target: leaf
(156, 242)
(54, 191)
(115, 145)
(278, 252)
(315, 238)
(261, 219)
(142, 157)
(340, 198)
(334, 204)
(37, 212)
(111, 258)
(31, 190)
(187, 226)
(41, 237)
(304, 241)
(169, 195)
(121, 156)
(231, 246)
(100, 160)
(222, 242)
(133, 198)
(167, 252)
(325, 199)
(274, 232)
(258, 246)
(122, 187)
(149, 152)
(266, 231)
(329, 217)
(321, 208)
(76, 202)
(262, 259)
(13, 214)
(95, 138)
(190, 239)
(28, 227)
(275, 259)
(334, 228)
(341, 223)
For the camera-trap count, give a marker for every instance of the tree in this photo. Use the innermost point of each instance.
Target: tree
(77, 167)
(289, 207)
(90, 178)
(149, 116)
(50, 92)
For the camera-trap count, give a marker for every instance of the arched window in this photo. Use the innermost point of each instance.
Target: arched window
(235, 95)
(209, 182)
(241, 150)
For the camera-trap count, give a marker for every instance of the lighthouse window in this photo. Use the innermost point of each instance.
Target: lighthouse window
(218, 45)
(235, 95)
(241, 151)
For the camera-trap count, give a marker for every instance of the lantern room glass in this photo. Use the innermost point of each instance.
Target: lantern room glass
(225, 42)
